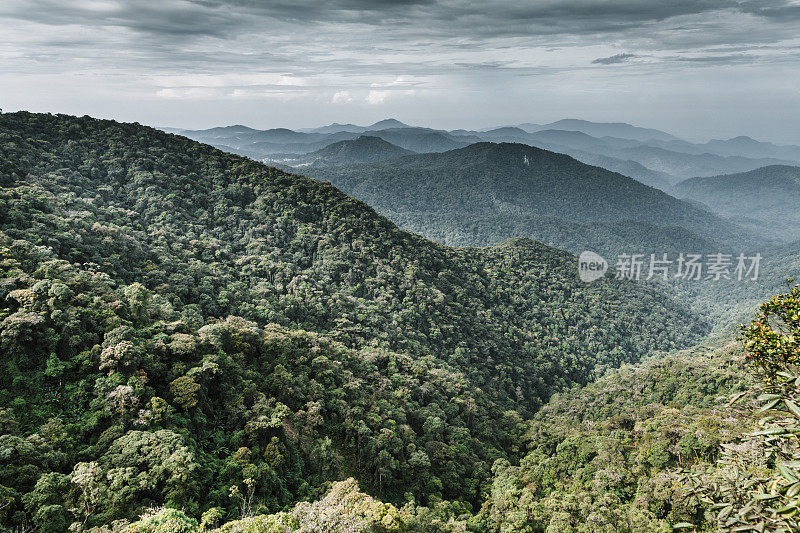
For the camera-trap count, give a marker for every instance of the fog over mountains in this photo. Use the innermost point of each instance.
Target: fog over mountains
(651, 156)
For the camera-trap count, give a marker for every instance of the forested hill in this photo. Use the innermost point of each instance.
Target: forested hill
(364, 149)
(226, 235)
(766, 198)
(504, 185)
(163, 296)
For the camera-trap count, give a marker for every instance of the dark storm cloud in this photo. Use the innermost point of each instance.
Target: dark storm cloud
(300, 35)
(775, 9)
(618, 58)
(148, 16)
(456, 18)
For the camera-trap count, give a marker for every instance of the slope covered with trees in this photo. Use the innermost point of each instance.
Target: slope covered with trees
(184, 326)
(700, 440)
(623, 454)
(516, 187)
(765, 199)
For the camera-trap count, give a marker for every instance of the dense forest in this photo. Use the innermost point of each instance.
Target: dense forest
(674, 444)
(193, 341)
(486, 192)
(189, 328)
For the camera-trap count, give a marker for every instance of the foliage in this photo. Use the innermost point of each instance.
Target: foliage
(176, 321)
(487, 193)
(604, 457)
(757, 483)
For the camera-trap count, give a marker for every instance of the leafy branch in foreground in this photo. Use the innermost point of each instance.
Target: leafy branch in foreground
(756, 483)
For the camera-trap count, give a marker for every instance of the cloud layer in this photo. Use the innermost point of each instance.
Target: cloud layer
(302, 62)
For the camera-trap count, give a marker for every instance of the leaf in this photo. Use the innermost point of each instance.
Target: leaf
(793, 408)
(765, 497)
(788, 510)
(788, 473)
(771, 404)
(683, 525)
(765, 397)
(770, 431)
(793, 490)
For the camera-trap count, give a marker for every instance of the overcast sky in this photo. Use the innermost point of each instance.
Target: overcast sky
(696, 68)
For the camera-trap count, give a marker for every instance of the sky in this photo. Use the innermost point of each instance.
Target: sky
(700, 69)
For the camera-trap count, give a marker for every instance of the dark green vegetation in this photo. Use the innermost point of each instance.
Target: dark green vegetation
(766, 199)
(487, 193)
(605, 458)
(176, 321)
(755, 485)
(674, 444)
(257, 351)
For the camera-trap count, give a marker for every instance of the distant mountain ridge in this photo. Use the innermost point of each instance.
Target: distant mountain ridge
(767, 198)
(602, 129)
(384, 124)
(651, 156)
(363, 149)
(524, 189)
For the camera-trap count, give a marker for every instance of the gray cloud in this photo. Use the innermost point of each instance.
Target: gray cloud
(618, 58)
(193, 60)
(493, 18)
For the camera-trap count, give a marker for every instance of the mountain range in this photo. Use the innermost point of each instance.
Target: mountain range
(651, 156)
(202, 318)
(535, 192)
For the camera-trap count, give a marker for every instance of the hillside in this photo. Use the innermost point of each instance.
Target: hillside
(606, 457)
(687, 165)
(423, 140)
(650, 156)
(674, 160)
(505, 185)
(766, 198)
(259, 144)
(364, 149)
(632, 169)
(177, 320)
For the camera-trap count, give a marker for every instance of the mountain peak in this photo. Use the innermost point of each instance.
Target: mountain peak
(387, 123)
(363, 149)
